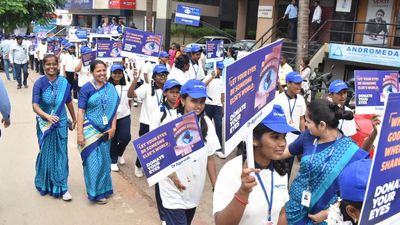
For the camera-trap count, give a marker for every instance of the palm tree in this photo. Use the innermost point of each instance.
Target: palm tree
(149, 15)
(302, 30)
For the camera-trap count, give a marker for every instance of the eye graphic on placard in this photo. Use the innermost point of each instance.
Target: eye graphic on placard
(267, 80)
(115, 52)
(186, 135)
(185, 138)
(150, 47)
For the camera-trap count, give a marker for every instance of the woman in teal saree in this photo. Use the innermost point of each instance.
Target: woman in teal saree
(98, 103)
(326, 152)
(51, 93)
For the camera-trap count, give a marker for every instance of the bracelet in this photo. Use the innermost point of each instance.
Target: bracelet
(241, 201)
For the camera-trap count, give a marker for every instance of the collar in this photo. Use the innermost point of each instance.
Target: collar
(289, 96)
(269, 167)
(193, 62)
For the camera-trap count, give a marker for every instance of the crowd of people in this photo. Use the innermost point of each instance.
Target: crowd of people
(317, 136)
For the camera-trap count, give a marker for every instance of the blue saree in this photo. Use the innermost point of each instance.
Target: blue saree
(320, 178)
(52, 160)
(95, 154)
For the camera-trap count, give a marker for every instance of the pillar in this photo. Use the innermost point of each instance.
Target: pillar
(241, 19)
(265, 22)
(163, 21)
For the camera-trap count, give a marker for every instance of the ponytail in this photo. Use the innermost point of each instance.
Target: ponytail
(323, 110)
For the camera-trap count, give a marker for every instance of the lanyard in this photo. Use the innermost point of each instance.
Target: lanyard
(291, 109)
(159, 99)
(269, 200)
(195, 71)
(54, 88)
(103, 97)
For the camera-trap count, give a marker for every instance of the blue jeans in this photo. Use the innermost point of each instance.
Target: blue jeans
(214, 112)
(6, 65)
(24, 68)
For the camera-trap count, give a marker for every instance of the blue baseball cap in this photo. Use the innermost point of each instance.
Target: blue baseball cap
(276, 121)
(220, 65)
(354, 179)
(294, 77)
(93, 42)
(43, 39)
(19, 36)
(85, 50)
(188, 49)
(160, 68)
(116, 66)
(164, 54)
(195, 89)
(170, 84)
(337, 85)
(196, 48)
(70, 45)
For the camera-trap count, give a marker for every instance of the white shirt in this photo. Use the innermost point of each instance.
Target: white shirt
(196, 71)
(283, 71)
(348, 127)
(178, 75)
(60, 61)
(84, 76)
(150, 104)
(195, 172)
(317, 15)
(298, 106)
(19, 54)
(256, 212)
(147, 71)
(42, 50)
(70, 62)
(123, 107)
(214, 90)
(155, 121)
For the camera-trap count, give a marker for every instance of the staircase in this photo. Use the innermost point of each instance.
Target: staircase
(289, 49)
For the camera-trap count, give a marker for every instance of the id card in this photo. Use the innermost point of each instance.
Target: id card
(105, 120)
(306, 199)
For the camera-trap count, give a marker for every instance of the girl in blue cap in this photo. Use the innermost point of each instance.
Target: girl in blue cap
(181, 191)
(245, 199)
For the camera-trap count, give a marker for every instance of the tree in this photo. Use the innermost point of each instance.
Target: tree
(149, 15)
(302, 30)
(15, 13)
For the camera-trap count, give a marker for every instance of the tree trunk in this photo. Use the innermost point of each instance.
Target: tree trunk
(302, 30)
(149, 15)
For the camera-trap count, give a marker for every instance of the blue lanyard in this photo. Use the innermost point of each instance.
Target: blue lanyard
(54, 88)
(159, 99)
(291, 109)
(103, 98)
(269, 200)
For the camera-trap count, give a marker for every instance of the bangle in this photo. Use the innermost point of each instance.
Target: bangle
(241, 201)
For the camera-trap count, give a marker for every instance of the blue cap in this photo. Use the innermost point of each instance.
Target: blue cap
(43, 39)
(195, 89)
(337, 85)
(116, 66)
(188, 49)
(354, 179)
(93, 42)
(164, 54)
(196, 48)
(85, 49)
(220, 65)
(70, 45)
(276, 121)
(19, 36)
(160, 68)
(64, 42)
(294, 77)
(170, 84)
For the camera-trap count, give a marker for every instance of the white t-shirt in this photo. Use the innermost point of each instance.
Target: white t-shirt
(42, 50)
(256, 212)
(147, 70)
(150, 104)
(84, 75)
(298, 106)
(178, 75)
(61, 63)
(283, 71)
(348, 127)
(195, 172)
(70, 62)
(196, 71)
(123, 107)
(214, 90)
(155, 121)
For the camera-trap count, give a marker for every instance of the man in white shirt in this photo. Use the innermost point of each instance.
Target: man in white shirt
(338, 94)
(284, 69)
(316, 19)
(19, 58)
(69, 63)
(41, 52)
(178, 71)
(196, 70)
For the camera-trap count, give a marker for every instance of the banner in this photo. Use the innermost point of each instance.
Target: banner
(78, 4)
(378, 14)
(250, 86)
(141, 44)
(382, 201)
(214, 51)
(77, 34)
(107, 49)
(122, 4)
(372, 89)
(88, 57)
(187, 15)
(170, 147)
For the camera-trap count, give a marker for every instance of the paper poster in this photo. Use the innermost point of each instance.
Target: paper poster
(141, 44)
(88, 57)
(214, 51)
(107, 49)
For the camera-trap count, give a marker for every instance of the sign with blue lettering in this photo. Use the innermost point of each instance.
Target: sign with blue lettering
(187, 15)
(141, 44)
(381, 202)
(372, 89)
(88, 57)
(109, 50)
(77, 34)
(250, 86)
(214, 51)
(365, 54)
(170, 147)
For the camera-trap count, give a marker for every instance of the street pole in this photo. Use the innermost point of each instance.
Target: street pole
(149, 15)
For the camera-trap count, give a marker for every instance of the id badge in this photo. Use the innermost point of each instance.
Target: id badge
(52, 112)
(306, 199)
(105, 120)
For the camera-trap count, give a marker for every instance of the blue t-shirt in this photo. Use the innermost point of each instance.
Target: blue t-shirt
(304, 144)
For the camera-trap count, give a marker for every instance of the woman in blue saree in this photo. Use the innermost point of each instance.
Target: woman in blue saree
(97, 105)
(51, 93)
(326, 152)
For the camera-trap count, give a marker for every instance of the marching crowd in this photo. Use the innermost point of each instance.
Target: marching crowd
(333, 169)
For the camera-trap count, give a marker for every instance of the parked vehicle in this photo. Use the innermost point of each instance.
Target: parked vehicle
(202, 41)
(242, 45)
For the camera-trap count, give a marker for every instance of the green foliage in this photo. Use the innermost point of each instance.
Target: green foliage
(195, 32)
(230, 31)
(11, 13)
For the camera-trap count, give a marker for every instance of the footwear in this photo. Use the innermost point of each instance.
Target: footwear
(138, 171)
(135, 104)
(75, 100)
(163, 223)
(67, 196)
(220, 154)
(25, 85)
(101, 201)
(114, 167)
(121, 160)
(19, 87)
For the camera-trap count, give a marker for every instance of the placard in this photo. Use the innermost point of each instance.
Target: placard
(141, 44)
(107, 49)
(214, 51)
(88, 57)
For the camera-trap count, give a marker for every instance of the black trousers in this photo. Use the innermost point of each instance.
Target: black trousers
(121, 138)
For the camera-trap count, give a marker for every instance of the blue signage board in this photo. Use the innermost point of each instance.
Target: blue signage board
(250, 86)
(141, 44)
(215, 51)
(365, 54)
(37, 28)
(77, 34)
(187, 15)
(170, 147)
(107, 49)
(88, 57)
(372, 89)
(78, 4)
(382, 202)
